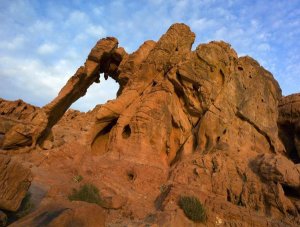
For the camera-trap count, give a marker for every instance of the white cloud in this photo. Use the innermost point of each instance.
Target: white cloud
(202, 23)
(41, 26)
(47, 48)
(98, 10)
(41, 79)
(95, 31)
(264, 47)
(77, 18)
(13, 44)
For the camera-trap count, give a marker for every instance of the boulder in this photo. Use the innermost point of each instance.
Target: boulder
(15, 181)
(278, 168)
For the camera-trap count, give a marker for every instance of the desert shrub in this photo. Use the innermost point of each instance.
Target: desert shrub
(192, 208)
(26, 206)
(88, 193)
(77, 178)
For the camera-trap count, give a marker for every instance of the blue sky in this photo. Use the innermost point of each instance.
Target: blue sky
(42, 43)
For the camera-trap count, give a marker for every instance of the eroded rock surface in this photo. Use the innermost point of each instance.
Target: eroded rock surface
(201, 123)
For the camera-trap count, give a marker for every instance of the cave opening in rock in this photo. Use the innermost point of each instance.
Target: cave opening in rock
(131, 175)
(101, 140)
(126, 132)
(97, 93)
(291, 192)
(286, 135)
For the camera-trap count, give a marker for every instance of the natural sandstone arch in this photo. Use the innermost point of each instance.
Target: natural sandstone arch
(103, 58)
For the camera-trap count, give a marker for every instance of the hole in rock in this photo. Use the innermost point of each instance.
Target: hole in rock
(97, 93)
(196, 87)
(228, 196)
(100, 142)
(131, 175)
(286, 134)
(240, 68)
(126, 132)
(291, 192)
(154, 83)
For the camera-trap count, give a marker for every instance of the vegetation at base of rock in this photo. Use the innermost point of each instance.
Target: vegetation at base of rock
(26, 206)
(88, 193)
(77, 178)
(193, 208)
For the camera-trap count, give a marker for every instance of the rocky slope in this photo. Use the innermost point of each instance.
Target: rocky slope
(201, 123)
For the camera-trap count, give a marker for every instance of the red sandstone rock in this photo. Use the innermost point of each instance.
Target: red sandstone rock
(200, 123)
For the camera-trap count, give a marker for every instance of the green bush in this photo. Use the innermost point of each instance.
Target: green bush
(88, 193)
(192, 208)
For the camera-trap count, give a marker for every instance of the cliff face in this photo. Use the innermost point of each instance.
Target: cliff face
(197, 123)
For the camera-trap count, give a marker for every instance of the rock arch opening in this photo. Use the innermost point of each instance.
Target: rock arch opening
(97, 94)
(105, 57)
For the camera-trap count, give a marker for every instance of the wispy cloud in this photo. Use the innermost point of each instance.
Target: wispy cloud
(15, 43)
(47, 48)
